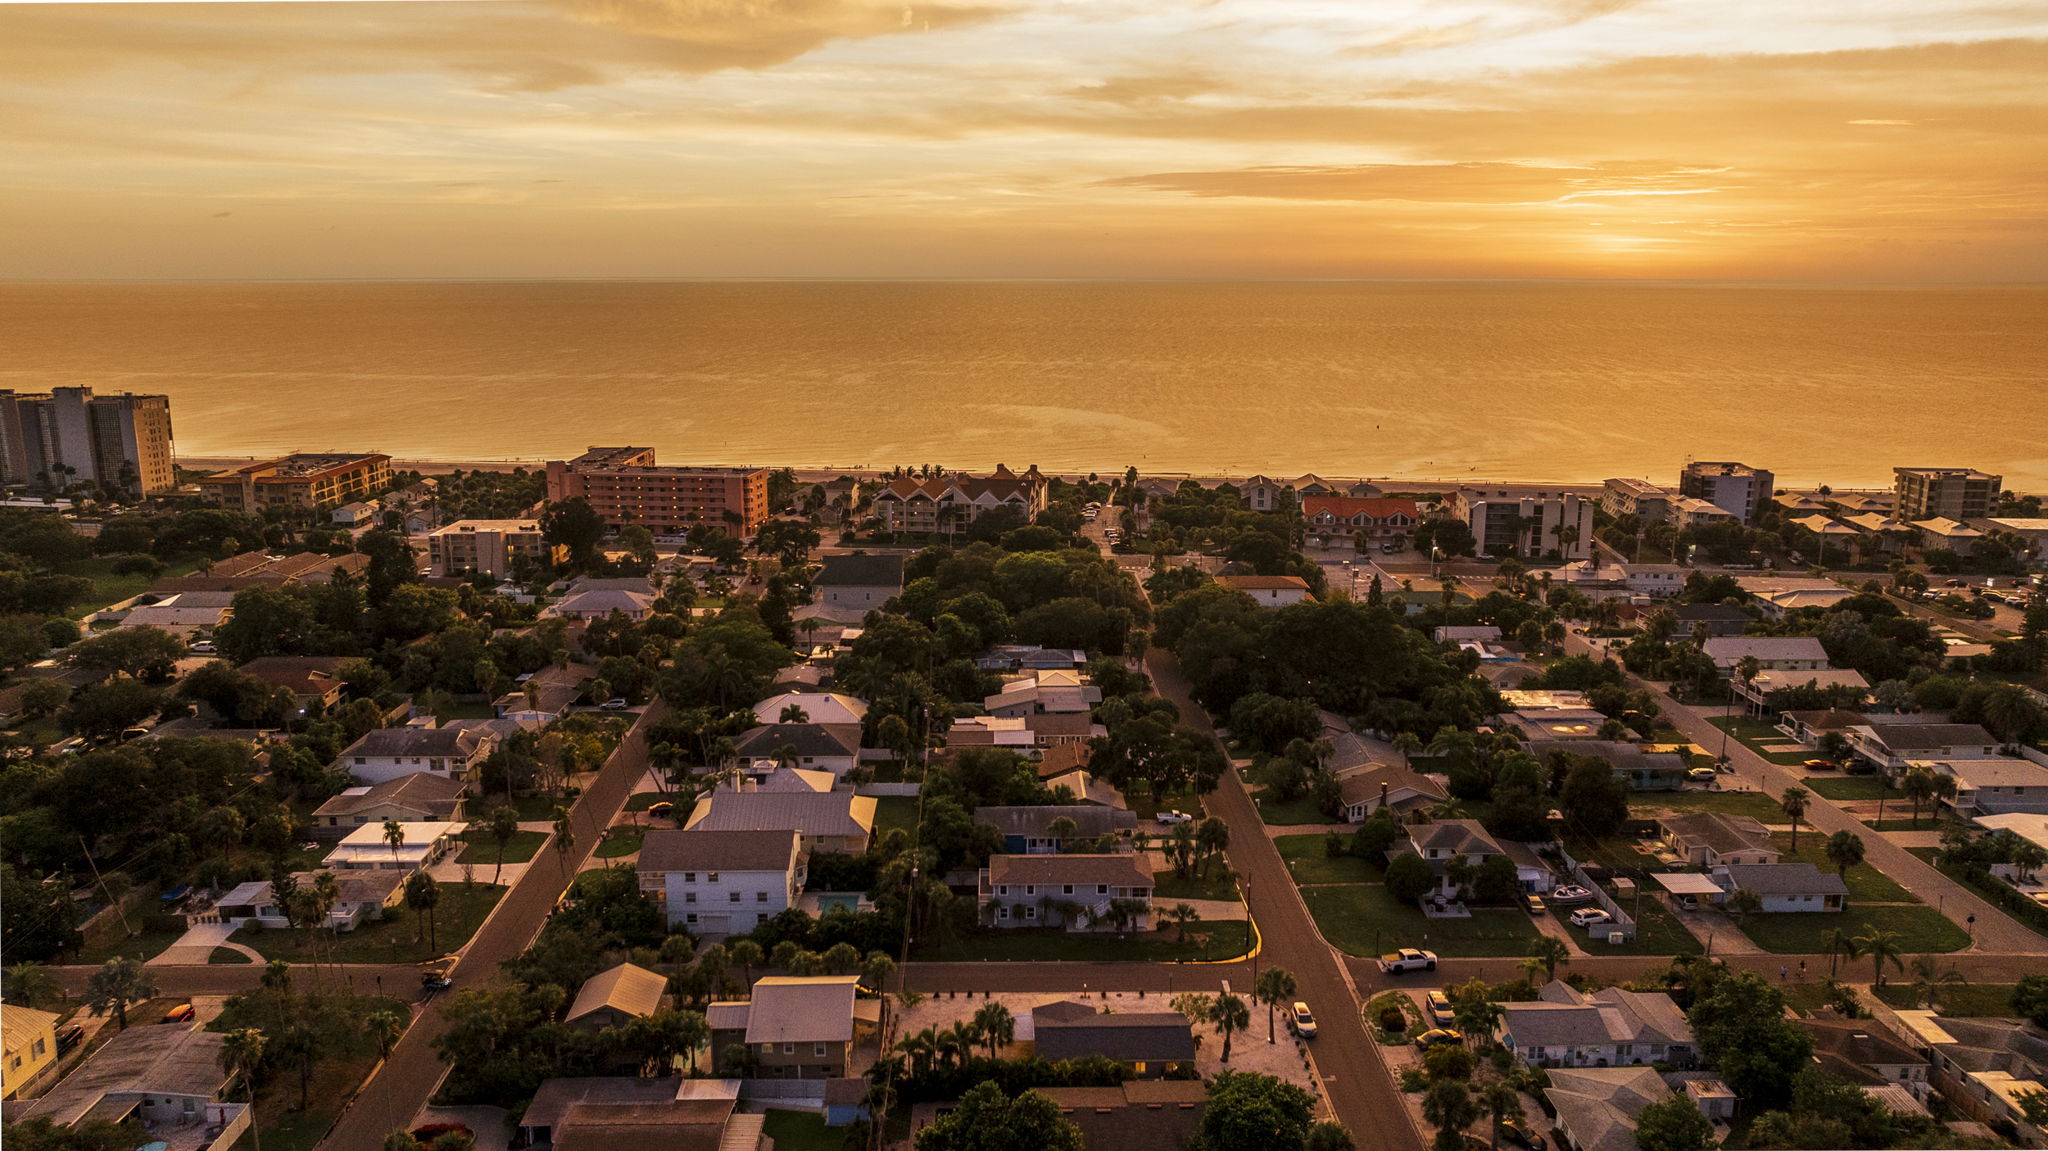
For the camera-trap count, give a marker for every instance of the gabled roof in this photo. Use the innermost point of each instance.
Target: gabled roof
(392, 742)
(1931, 736)
(861, 571)
(626, 989)
(1828, 719)
(420, 791)
(1263, 583)
(1860, 1044)
(1090, 821)
(813, 813)
(1465, 836)
(797, 1009)
(302, 675)
(1717, 832)
(1363, 785)
(1786, 879)
(603, 601)
(1345, 507)
(670, 849)
(808, 740)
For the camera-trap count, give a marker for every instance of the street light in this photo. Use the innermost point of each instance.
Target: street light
(1244, 889)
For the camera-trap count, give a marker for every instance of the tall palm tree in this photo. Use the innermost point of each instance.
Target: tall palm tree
(1918, 784)
(1503, 1103)
(394, 837)
(1551, 952)
(241, 1052)
(1835, 941)
(996, 1026)
(119, 982)
(1275, 985)
(1793, 804)
(1230, 1016)
(1182, 914)
(1845, 850)
(1882, 946)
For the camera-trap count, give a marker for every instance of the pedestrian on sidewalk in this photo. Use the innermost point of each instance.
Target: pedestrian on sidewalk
(1784, 973)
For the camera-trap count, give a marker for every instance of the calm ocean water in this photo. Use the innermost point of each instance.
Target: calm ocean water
(1552, 381)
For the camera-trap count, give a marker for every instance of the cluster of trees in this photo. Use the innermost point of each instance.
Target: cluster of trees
(1245, 1112)
(1147, 746)
(480, 495)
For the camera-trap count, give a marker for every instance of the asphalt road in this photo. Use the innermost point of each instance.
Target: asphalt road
(1994, 932)
(402, 1085)
(1355, 1078)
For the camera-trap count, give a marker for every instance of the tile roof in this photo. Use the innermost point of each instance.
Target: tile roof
(669, 849)
(1061, 758)
(626, 989)
(1345, 507)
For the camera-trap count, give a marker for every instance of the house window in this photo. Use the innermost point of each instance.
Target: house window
(689, 897)
(39, 1049)
(691, 918)
(789, 1049)
(1031, 913)
(760, 897)
(818, 1049)
(1069, 889)
(732, 897)
(711, 877)
(1031, 889)
(1002, 911)
(1102, 889)
(689, 877)
(1139, 1066)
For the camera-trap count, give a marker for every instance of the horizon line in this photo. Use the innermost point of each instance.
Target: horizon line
(1629, 281)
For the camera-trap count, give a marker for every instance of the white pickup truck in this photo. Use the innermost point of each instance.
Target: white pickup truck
(1408, 959)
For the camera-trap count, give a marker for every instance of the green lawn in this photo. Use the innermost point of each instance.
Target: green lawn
(1310, 863)
(1927, 822)
(1926, 853)
(621, 841)
(146, 945)
(389, 940)
(483, 850)
(1976, 1000)
(803, 1131)
(1219, 885)
(1362, 919)
(895, 811)
(1921, 929)
(1852, 788)
(1406, 1003)
(1866, 883)
(1206, 941)
(227, 957)
(1140, 800)
(642, 800)
(1292, 813)
(1615, 853)
(533, 808)
(1752, 734)
(1751, 803)
(1658, 932)
(108, 588)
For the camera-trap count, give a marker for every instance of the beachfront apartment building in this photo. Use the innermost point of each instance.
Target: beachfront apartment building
(68, 436)
(1526, 520)
(1647, 502)
(1738, 489)
(302, 480)
(625, 487)
(948, 503)
(1943, 493)
(487, 547)
(1368, 521)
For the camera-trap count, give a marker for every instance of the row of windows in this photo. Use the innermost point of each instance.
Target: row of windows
(818, 1049)
(731, 897)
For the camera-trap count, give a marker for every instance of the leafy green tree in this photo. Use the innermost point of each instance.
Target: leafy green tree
(1408, 878)
(1449, 1107)
(987, 1120)
(104, 710)
(2030, 998)
(1329, 1135)
(1739, 1020)
(36, 919)
(147, 653)
(1674, 1124)
(119, 982)
(1252, 1112)
(1594, 798)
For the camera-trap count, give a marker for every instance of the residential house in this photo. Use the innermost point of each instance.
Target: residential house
(1261, 494)
(816, 706)
(420, 797)
(1693, 512)
(1597, 1106)
(722, 882)
(1647, 502)
(545, 695)
(1999, 786)
(1892, 746)
(783, 779)
(355, 514)
(183, 614)
(1526, 520)
(1268, 591)
(1079, 892)
(599, 603)
(1942, 532)
(1612, 1027)
(1713, 840)
(1466, 633)
(1984, 1067)
(30, 1048)
(591, 1113)
(387, 753)
(1738, 489)
(796, 1027)
(1030, 657)
(830, 821)
(614, 995)
(1138, 1115)
(1645, 770)
(1062, 759)
(948, 503)
(1051, 729)
(1865, 1053)
(833, 747)
(1772, 652)
(1376, 785)
(313, 680)
(1721, 620)
(859, 581)
(167, 1078)
(1810, 727)
(362, 895)
(1368, 522)
(1843, 685)
(1788, 887)
(1777, 595)
(1152, 1044)
(1445, 840)
(992, 731)
(1032, 830)
(1058, 692)
(424, 844)
(1085, 789)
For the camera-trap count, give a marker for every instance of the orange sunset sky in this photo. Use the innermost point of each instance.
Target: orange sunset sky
(1896, 140)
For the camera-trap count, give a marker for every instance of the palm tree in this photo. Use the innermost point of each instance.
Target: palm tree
(1503, 1102)
(422, 894)
(747, 954)
(921, 1048)
(1836, 943)
(565, 836)
(118, 983)
(1918, 784)
(1793, 803)
(1275, 985)
(1407, 743)
(502, 825)
(996, 1026)
(1449, 1107)
(1230, 1016)
(1881, 946)
(241, 1052)
(394, 837)
(1064, 830)
(1550, 951)
(2026, 858)
(1845, 850)
(1929, 979)
(31, 985)
(794, 713)
(1213, 838)
(1476, 1015)
(1182, 914)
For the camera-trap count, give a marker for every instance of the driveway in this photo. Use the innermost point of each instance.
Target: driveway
(195, 947)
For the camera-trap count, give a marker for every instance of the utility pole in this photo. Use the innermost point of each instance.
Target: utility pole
(102, 881)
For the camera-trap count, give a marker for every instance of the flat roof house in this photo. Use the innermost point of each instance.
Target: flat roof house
(362, 895)
(1151, 1043)
(1565, 1027)
(797, 1027)
(722, 882)
(1078, 892)
(366, 847)
(168, 1078)
(829, 821)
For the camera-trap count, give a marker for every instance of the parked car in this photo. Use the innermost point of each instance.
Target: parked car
(1588, 916)
(1304, 1023)
(661, 810)
(1701, 774)
(614, 705)
(1408, 959)
(1820, 765)
(69, 1038)
(1174, 817)
(202, 647)
(1517, 1132)
(1439, 1006)
(1571, 893)
(182, 1013)
(1436, 1035)
(1534, 904)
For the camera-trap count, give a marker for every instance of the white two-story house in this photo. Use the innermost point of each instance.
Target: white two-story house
(720, 883)
(389, 752)
(1073, 891)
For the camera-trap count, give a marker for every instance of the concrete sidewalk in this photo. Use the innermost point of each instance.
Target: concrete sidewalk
(195, 947)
